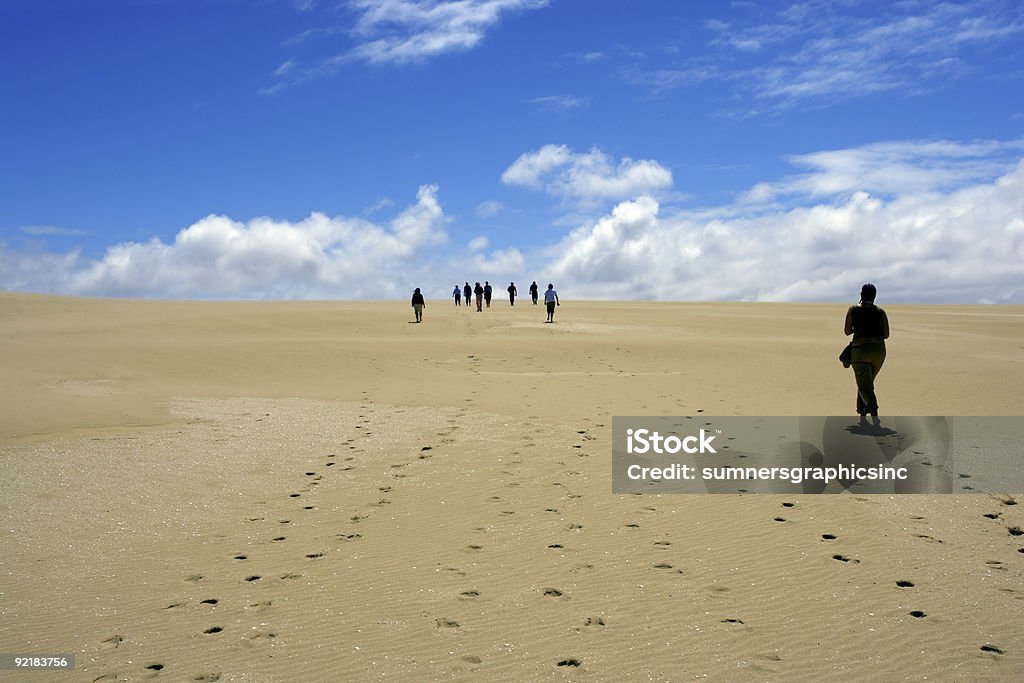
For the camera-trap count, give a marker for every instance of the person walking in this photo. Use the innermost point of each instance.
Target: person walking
(488, 290)
(467, 292)
(418, 304)
(479, 291)
(550, 301)
(458, 295)
(533, 292)
(869, 326)
(512, 294)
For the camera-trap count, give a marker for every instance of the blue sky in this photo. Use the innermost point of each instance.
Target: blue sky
(624, 150)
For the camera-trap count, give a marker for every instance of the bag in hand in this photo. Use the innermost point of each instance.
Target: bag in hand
(846, 357)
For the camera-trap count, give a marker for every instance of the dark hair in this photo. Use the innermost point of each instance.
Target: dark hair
(868, 293)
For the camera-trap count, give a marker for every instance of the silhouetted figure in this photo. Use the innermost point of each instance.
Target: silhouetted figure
(458, 295)
(533, 292)
(479, 291)
(512, 294)
(467, 292)
(487, 293)
(551, 300)
(869, 326)
(418, 304)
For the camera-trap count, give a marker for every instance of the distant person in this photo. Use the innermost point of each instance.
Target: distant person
(551, 300)
(458, 295)
(418, 304)
(512, 294)
(869, 326)
(488, 290)
(533, 292)
(467, 292)
(479, 291)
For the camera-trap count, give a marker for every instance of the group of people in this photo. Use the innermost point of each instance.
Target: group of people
(867, 322)
(484, 293)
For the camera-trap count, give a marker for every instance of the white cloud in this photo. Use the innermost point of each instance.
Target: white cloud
(560, 103)
(963, 245)
(893, 168)
(926, 221)
(586, 178)
(815, 53)
(285, 68)
(217, 257)
(489, 209)
(400, 31)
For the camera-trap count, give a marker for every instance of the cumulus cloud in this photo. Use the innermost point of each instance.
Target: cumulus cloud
(926, 221)
(218, 257)
(964, 245)
(588, 178)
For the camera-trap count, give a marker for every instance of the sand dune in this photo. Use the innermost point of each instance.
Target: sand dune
(323, 491)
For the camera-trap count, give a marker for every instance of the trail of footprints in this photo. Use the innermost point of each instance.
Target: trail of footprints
(313, 478)
(906, 583)
(556, 594)
(259, 632)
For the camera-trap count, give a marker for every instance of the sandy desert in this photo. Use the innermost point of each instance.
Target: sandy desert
(323, 491)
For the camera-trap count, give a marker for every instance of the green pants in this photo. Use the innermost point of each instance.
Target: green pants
(868, 358)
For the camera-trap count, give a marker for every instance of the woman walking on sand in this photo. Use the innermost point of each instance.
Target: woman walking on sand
(869, 326)
(417, 305)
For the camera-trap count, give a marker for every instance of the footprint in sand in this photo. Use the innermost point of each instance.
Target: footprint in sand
(446, 623)
(553, 592)
(594, 621)
(844, 558)
(213, 629)
(113, 641)
(209, 601)
(918, 614)
(571, 661)
(470, 594)
(207, 678)
(993, 649)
